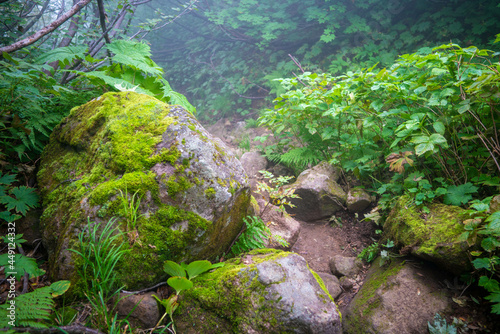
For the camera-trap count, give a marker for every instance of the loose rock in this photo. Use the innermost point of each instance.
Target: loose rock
(345, 266)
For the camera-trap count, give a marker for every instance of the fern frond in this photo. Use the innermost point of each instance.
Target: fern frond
(65, 55)
(300, 157)
(32, 308)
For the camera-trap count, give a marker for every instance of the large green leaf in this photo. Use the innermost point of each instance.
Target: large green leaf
(24, 198)
(134, 54)
(458, 195)
(174, 269)
(179, 283)
(65, 55)
(198, 267)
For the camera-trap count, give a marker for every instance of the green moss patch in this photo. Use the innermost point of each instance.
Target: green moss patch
(434, 237)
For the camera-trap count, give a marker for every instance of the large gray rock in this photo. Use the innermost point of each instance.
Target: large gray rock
(320, 195)
(264, 291)
(280, 224)
(192, 193)
(400, 298)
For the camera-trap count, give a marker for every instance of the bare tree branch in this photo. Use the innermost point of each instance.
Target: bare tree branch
(102, 19)
(45, 30)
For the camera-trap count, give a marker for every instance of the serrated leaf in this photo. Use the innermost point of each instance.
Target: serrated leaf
(24, 198)
(458, 195)
(8, 217)
(490, 244)
(20, 265)
(7, 179)
(489, 284)
(65, 54)
(482, 263)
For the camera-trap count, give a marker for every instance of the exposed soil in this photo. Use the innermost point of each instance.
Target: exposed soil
(345, 235)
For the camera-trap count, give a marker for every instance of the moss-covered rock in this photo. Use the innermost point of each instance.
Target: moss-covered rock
(193, 195)
(434, 236)
(399, 298)
(265, 291)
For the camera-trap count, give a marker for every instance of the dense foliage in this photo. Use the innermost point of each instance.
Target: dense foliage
(427, 126)
(224, 55)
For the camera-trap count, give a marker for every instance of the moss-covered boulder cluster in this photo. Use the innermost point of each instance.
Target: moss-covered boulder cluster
(264, 291)
(191, 194)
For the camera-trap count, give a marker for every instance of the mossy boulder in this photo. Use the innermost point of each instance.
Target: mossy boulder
(433, 236)
(264, 291)
(399, 298)
(192, 194)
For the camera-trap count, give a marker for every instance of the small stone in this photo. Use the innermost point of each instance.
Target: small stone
(358, 200)
(345, 266)
(145, 314)
(332, 284)
(346, 283)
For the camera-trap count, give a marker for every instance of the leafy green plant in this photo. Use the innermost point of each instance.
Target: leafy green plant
(244, 144)
(100, 249)
(422, 190)
(370, 252)
(17, 199)
(180, 279)
(32, 309)
(130, 208)
(487, 261)
(418, 113)
(17, 239)
(276, 192)
(254, 236)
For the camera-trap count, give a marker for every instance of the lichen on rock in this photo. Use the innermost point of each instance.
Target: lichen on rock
(264, 291)
(193, 194)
